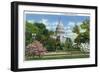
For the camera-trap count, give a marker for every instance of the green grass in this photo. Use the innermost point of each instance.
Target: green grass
(63, 57)
(60, 56)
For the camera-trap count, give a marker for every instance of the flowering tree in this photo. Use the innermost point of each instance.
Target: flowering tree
(35, 49)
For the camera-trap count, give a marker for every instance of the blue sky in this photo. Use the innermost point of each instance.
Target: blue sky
(51, 21)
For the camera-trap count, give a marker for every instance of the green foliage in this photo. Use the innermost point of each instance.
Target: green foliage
(85, 25)
(68, 44)
(30, 28)
(28, 37)
(42, 35)
(51, 44)
(76, 29)
(82, 37)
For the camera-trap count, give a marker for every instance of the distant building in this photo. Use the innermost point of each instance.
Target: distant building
(60, 32)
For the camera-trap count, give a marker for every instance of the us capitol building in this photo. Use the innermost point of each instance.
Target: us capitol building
(62, 34)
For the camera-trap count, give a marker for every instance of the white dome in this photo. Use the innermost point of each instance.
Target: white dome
(60, 27)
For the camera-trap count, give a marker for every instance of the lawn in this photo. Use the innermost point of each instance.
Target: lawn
(60, 55)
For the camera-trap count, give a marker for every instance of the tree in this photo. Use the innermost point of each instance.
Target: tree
(82, 37)
(29, 29)
(51, 44)
(68, 44)
(85, 35)
(85, 25)
(42, 34)
(35, 49)
(77, 31)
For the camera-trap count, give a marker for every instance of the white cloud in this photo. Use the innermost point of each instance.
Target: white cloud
(81, 30)
(31, 21)
(53, 25)
(69, 28)
(49, 25)
(79, 23)
(44, 21)
(72, 24)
